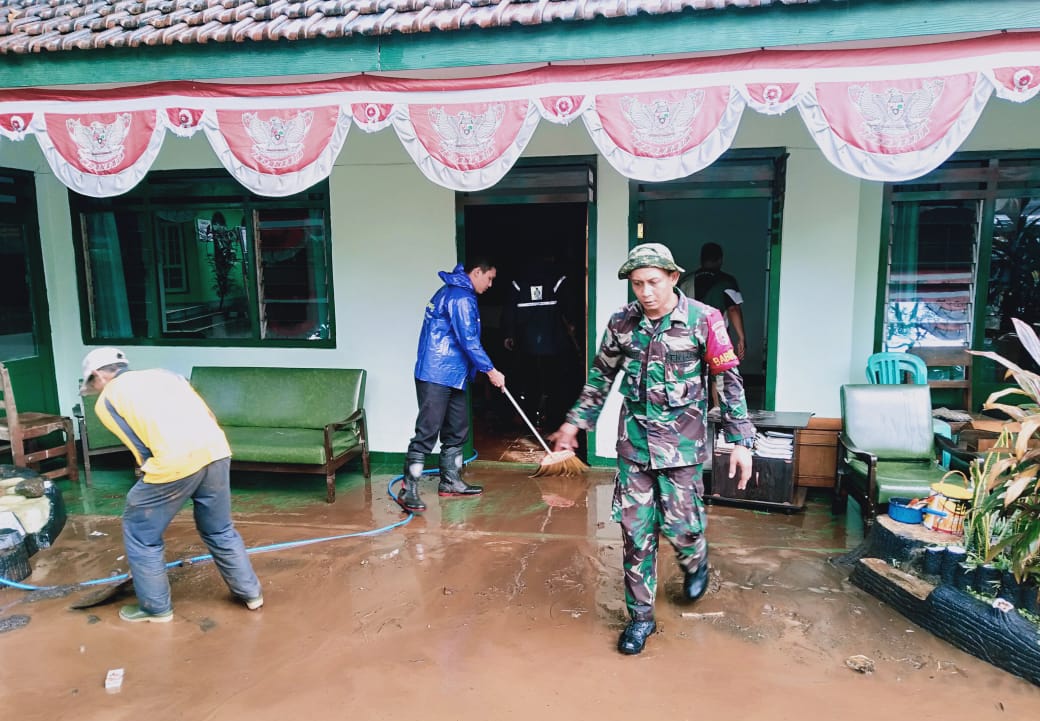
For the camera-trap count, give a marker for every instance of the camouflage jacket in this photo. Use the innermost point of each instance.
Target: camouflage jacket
(663, 424)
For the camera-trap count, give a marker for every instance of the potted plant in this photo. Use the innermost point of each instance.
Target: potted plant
(1005, 519)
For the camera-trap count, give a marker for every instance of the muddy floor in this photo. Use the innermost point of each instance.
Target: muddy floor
(503, 607)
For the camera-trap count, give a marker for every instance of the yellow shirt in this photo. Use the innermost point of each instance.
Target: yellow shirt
(163, 421)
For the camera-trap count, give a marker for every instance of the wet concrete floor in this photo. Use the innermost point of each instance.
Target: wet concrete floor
(503, 607)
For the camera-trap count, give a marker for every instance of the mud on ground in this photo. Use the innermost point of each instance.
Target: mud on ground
(503, 607)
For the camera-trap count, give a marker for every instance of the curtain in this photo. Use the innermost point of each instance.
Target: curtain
(108, 299)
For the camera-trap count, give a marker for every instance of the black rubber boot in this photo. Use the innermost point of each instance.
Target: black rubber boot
(451, 475)
(408, 497)
(695, 583)
(633, 638)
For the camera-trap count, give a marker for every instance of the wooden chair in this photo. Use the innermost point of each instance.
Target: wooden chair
(23, 431)
(950, 358)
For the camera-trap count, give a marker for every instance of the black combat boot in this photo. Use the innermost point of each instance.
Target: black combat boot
(633, 638)
(695, 582)
(408, 497)
(451, 475)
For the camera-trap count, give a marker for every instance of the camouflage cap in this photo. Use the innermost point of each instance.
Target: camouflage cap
(649, 255)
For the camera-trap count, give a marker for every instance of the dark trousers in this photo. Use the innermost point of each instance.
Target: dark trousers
(550, 376)
(442, 412)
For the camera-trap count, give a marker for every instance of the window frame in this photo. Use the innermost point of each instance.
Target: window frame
(166, 242)
(148, 198)
(977, 176)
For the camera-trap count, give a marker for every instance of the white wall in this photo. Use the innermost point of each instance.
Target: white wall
(392, 230)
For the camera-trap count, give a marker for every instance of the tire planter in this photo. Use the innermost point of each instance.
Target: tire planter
(1001, 637)
(42, 491)
(46, 536)
(44, 498)
(940, 603)
(14, 559)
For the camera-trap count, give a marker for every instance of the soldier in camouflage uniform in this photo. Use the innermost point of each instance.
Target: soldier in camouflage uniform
(667, 346)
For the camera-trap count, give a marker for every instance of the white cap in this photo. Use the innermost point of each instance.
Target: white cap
(101, 357)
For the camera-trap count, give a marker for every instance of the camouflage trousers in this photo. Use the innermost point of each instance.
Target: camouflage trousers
(648, 502)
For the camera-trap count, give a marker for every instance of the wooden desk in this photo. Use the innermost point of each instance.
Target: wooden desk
(772, 483)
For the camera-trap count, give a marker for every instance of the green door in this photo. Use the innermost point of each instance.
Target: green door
(25, 334)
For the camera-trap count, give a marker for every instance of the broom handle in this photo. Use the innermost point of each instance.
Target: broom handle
(526, 420)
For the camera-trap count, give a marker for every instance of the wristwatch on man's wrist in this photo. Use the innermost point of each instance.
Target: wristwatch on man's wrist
(748, 443)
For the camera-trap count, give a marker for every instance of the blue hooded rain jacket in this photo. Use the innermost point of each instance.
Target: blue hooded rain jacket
(450, 353)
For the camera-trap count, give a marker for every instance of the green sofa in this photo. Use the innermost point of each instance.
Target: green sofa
(295, 420)
(95, 439)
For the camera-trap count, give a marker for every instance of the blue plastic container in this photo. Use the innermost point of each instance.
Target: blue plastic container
(899, 510)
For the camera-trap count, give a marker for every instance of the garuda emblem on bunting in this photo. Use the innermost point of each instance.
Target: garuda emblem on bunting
(278, 142)
(659, 127)
(897, 118)
(100, 146)
(467, 139)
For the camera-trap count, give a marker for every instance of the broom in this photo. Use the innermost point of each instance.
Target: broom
(554, 463)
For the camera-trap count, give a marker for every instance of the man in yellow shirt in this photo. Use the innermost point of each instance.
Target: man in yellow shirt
(183, 454)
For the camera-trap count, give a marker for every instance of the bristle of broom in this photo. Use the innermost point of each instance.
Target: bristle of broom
(569, 466)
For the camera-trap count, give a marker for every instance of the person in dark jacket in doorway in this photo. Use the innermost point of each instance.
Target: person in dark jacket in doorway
(538, 331)
(450, 355)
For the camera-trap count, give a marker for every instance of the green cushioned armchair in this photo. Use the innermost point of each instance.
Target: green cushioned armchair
(887, 447)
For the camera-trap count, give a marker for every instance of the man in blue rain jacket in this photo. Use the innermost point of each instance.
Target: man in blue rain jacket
(450, 355)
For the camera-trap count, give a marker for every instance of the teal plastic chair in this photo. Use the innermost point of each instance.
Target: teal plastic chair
(894, 368)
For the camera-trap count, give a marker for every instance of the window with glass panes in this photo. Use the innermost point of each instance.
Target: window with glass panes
(194, 257)
(961, 258)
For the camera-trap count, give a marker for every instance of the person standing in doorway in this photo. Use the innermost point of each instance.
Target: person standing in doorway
(538, 330)
(667, 346)
(183, 455)
(450, 355)
(710, 285)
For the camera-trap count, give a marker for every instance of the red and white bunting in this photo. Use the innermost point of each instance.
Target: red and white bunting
(278, 152)
(467, 146)
(15, 126)
(184, 122)
(1017, 83)
(100, 154)
(667, 134)
(772, 98)
(372, 117)
(562, 109)
(886, 114)
(894, 130)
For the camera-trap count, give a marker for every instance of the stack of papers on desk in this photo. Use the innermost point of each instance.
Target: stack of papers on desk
(774, 444)
(771, 444)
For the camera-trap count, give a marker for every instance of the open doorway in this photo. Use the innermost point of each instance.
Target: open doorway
(738, 226)
(736, 203)
(534, 227)
(25, 332)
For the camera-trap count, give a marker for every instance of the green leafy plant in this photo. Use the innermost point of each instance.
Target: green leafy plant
(985, 508)
(1005, 519)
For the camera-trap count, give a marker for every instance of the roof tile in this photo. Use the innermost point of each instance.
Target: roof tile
(61, 25)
